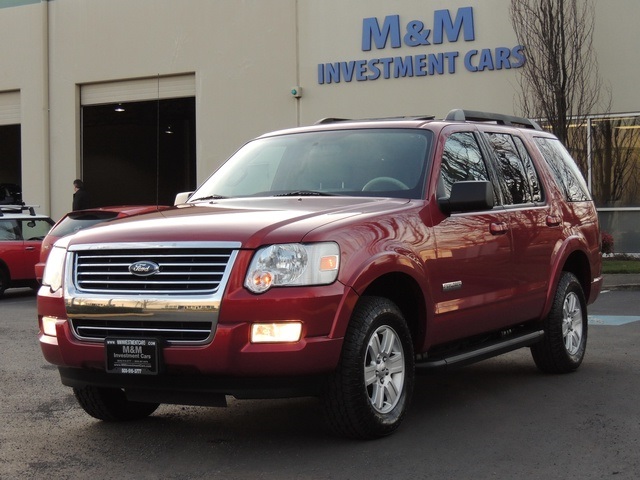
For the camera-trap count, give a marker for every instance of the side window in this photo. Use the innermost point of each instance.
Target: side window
(532, 174)
(564, 169)
(461, 160)
(512, 168)
(35, 229)
(9, 230)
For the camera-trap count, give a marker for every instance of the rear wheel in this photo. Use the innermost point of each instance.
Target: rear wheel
(368, 395)
(564, 343)
(111, 404)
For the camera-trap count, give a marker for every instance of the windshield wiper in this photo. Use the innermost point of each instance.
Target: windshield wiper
(305, 193)
(208, 197)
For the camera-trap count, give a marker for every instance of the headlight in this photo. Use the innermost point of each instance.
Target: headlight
(293, 264)
(52, 276)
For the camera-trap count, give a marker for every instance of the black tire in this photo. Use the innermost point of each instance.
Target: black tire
(369, 393)
(563, 346)
(111, 404)
(4, 280)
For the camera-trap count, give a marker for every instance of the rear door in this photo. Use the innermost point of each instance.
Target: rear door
(535, 223)
(33, 232)
(472, 270)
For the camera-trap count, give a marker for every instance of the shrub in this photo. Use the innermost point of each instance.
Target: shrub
(607, 242)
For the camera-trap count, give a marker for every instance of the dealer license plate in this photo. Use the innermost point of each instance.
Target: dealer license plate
(133, 356)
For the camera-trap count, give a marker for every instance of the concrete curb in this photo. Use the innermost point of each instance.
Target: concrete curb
(621, 281)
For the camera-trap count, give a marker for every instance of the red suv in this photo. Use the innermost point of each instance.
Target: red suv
(333, 260)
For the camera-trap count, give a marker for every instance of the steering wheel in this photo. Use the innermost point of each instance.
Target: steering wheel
(384, 183)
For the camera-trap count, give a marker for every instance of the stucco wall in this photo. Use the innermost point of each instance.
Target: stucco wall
(246, 55)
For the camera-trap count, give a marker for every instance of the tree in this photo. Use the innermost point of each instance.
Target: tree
(616, 161)
(560, 82)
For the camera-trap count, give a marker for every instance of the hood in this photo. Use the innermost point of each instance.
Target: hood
(251, 221)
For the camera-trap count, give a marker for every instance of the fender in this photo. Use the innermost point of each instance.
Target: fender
(373, 268)
(570, 245)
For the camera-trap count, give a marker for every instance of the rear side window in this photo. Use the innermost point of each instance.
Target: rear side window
(564, 169)
(9, 230)
(75, 222)
(518, 174)
(461, 160)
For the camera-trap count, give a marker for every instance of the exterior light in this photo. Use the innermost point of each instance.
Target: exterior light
(277, 332)
(49, 326)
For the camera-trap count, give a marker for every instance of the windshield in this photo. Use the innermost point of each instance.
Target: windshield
(365, 162)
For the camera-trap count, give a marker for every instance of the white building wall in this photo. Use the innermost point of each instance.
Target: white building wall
(245, 56)
(23, 71)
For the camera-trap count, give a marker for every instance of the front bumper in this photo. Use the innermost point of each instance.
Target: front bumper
(230, 353)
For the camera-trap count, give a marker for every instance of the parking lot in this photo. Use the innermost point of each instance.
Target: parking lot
(499, 419)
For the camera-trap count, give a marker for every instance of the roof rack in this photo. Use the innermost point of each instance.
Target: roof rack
(324, 121)
(18, 209)
(459, 115)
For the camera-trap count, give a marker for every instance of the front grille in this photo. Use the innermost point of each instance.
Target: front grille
(171, 332)
(182, 270)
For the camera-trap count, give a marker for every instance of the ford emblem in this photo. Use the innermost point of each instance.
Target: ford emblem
(144, 268)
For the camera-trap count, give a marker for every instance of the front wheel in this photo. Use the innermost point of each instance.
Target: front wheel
(369, 393)
(564, 343)
(111, 404)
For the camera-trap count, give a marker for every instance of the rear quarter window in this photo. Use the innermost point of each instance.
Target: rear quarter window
(564, 169)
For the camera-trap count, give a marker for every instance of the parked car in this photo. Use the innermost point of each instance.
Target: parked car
(21, 234)
(332, 260)
(75, 221)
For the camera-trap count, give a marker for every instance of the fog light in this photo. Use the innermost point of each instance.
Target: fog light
(276, 332)
(49, 326)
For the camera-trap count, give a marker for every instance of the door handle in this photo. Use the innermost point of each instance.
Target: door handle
(498, 228)
(553, 220)
(29, 249)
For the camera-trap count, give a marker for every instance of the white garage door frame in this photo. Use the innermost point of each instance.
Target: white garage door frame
(141, 89)
(10, 108)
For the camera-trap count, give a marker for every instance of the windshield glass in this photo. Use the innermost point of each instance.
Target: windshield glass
(364, 162)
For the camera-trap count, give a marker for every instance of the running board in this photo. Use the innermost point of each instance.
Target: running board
(481, 352)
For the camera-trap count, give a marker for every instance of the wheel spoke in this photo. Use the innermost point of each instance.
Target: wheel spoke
(395, 364)
(374, 347)
(370, 376)
(388, 341)
(377, 398)
(392, 393)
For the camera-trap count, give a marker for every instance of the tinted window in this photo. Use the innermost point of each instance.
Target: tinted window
(461, 160)
(532, 175)
(564, 169)
(518, 173)
(77, 221)
(9, 230)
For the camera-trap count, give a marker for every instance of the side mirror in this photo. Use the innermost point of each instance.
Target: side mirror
(468, 196)
(182, 197)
